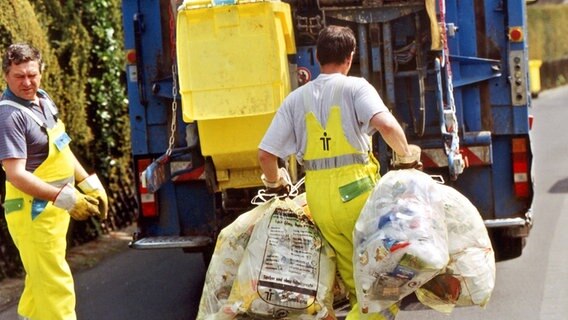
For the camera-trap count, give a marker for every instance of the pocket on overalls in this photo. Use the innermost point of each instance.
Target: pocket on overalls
(38, 205)
(356, 188)
(13, 205)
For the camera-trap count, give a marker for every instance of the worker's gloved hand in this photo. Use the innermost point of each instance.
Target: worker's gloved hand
(410, 161)
(281, 186)
(93, 187)
(79, 206)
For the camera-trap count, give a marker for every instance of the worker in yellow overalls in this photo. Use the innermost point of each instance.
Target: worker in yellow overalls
(328, 124)
(40, 197)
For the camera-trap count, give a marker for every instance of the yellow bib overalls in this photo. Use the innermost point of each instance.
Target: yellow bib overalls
(39, 232)
(339, 179)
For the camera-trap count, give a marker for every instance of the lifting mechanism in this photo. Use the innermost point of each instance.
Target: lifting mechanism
(447, 108)
(380, 15)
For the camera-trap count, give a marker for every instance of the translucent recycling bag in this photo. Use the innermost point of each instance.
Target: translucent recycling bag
(287, 270)
(469, 277)
(227, 256)
(400, 239)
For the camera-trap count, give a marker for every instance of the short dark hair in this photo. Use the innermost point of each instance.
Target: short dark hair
(335, 44)
(20, 53)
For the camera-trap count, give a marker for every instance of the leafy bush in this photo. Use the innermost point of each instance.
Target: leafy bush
(546, 30)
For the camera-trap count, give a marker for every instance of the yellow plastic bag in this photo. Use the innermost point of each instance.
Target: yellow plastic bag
(227, 256)
(400, 239)
(469, 278)
(287, 270)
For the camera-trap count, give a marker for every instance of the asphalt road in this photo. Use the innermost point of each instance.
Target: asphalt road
(142, 285)
(166, 284)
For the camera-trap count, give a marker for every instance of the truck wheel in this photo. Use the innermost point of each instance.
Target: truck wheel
(505, 246)
(207, 254)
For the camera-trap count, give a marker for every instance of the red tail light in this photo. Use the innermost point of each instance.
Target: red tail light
(521, 168)
(148, 204)
(131, 56)
(516, 34)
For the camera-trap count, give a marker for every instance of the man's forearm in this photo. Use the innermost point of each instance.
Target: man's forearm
(391, 131)
(32, 185)
(26, 181)
(268, 164)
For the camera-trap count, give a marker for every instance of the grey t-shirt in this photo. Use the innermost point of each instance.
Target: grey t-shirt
(360, 101)
(20, 136)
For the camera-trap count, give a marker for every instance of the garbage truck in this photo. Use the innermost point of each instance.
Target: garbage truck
(205, 77)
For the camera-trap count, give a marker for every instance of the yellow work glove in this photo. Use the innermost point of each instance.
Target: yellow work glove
(281, 186)
(93, 187)
(79, 206)
(410, 161)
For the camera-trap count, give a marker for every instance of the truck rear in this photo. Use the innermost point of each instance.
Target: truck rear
(205, 78)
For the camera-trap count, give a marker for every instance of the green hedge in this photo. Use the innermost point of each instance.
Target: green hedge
(547, 30)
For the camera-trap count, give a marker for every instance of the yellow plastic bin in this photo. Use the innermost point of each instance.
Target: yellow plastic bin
(233, 76)
(233, 59)
(534, 74)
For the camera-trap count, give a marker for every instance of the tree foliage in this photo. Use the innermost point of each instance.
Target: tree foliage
(546, 28)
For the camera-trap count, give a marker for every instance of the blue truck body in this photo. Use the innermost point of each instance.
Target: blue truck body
(465, 100)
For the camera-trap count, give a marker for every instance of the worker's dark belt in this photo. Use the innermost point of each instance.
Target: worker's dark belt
(336, 162)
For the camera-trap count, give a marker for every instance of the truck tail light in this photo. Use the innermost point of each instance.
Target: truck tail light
(521, 168)
(516, 34)
(148, 204)
(131, 56)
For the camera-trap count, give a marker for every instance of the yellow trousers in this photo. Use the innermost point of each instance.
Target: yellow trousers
(336, 219)
(49, 289)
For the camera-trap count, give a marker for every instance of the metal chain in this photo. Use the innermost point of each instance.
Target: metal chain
(174, 110)
(173, 127)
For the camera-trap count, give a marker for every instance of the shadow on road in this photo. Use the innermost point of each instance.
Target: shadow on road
(561, 186)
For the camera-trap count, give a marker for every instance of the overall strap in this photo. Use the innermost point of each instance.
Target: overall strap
(50, 104)
(25, 110)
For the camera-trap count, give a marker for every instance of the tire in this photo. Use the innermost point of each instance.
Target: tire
(505, 246)
(207, 254)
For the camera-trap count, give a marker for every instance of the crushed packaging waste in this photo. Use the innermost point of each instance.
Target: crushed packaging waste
(400, 239)
(469, 277)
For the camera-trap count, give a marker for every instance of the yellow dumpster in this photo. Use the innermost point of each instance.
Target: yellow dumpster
(233, 75)
(534, 75)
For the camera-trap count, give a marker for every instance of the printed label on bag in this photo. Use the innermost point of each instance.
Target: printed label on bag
(290, 269)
